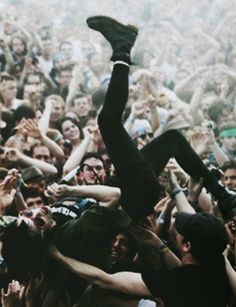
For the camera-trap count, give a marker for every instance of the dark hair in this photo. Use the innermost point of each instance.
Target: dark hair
(75, 122)
(89, 155)
(78, 96)
(24, 111)
(228, 165)
(8, 118)
(7, 77)
(21, 250)
(33, 192)
(20, 38)
(215, 110)
(37, 144)
(98, 97)
(65, 69)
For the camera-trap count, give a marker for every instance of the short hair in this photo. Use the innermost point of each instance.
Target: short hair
(95, 155)
(24, 111)
(78, 96)
(75, 122)
(7, 77)
(33, 192)
(57, 98)
(21, 250)
(215, 110)
(65, 69)
(228, 165)
(37, 144)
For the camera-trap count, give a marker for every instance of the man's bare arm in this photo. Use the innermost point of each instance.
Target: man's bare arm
(125, 282)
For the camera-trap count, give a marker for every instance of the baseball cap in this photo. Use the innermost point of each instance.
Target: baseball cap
(205, 232)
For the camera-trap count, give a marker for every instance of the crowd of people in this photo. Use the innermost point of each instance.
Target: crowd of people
(118, 178)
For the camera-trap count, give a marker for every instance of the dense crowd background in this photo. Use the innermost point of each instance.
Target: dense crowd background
(54, 76)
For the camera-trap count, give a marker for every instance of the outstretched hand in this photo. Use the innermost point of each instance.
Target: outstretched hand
(8, 189)
(14, 295)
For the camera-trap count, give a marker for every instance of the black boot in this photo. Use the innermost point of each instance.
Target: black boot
(121, 37)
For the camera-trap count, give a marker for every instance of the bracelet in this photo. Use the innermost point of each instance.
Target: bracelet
(175, 192)
(162, 249)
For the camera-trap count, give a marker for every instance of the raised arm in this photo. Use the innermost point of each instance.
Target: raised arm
(13, 154)
(77, 155)
(126, 282)
(107, 196)
(33, 130)
(182, 203)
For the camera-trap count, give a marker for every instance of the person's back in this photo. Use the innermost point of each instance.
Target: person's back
(190, 285)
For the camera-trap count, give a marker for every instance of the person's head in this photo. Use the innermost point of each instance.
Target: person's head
(34, 198)
(66, 48)
(64, 77)
(47, 47)
(142, 137)
(22, 248)
(18, 45)
(59, 61)
(82, 104)
(10, 87)
(229, 177)
(8, 27)
(97, 63)
(24, 111)
(22, 241)
(35, 180)
(41, 152)
(93, 171)
(201, 236)
(58, 107)
(228, 136)
(220, 111)
(34, 86)
(71, 129)
(122, 247)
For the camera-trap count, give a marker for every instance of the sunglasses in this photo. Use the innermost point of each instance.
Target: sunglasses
(144, 135)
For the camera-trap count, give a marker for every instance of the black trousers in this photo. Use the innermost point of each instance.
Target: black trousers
(138, 171)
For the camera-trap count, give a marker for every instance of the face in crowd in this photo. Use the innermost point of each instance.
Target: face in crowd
(229, 178)
(119, 247)
(41, 153)
(70, 131)
(93, 172)
(37, 220)
(82, 106)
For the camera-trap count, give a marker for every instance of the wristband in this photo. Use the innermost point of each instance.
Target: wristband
(175, 192)
(162, 249)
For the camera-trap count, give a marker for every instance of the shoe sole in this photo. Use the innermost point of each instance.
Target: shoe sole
(93, 22)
